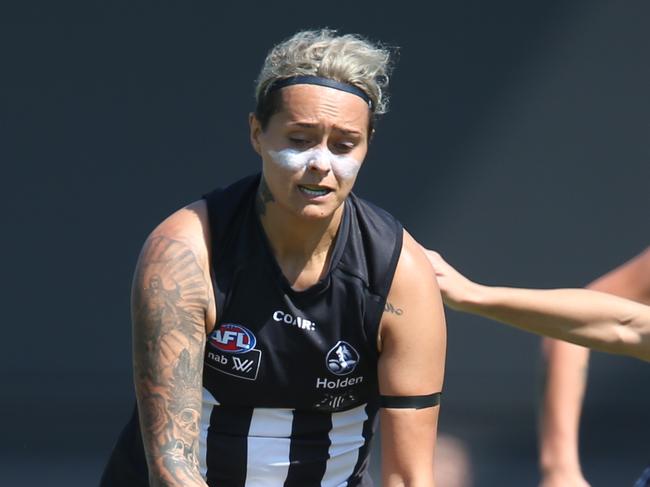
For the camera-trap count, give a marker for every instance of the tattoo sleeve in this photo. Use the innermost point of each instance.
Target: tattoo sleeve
(169, 299)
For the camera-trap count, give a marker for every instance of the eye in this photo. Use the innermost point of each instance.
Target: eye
(299, 141)
(343, 147)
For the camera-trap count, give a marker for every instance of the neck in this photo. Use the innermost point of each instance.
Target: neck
(301, 247)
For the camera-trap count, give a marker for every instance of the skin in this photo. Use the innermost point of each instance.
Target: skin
(174, 310)
(413, 326)
(564, 385)
(172, 304)
(566, 381)
(344, 167)
(588, 318)
(301, 231)
(594, 319)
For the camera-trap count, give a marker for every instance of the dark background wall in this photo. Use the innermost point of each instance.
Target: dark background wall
(517, 145)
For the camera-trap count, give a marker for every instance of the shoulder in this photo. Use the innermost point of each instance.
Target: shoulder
(414, 272)
(412, 334)
(175, 258)
(413, 295)
(187, 227)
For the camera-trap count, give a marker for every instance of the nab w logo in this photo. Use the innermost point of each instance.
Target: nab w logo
(232, 338)
(242, 365)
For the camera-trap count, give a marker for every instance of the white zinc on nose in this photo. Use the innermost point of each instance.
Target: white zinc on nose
(343, 166)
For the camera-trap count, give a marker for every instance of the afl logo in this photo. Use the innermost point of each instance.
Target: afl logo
(232, 338)
(342, 358)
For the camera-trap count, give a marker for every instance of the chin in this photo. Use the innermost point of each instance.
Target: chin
(319, 211)
(314, 212)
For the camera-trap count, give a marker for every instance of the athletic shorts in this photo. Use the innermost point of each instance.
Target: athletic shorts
(644, 480)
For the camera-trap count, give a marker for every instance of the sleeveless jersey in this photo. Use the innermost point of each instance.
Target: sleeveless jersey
(290, 390)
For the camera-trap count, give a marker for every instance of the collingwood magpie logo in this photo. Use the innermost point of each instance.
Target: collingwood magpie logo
(342, 359)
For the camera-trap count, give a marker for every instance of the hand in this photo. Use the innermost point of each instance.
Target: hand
(457, 291)
(561, 478)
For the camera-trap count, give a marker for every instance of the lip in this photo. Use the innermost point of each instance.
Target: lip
(304, 190)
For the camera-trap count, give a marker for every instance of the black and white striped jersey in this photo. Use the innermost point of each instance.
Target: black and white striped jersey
(290, 390)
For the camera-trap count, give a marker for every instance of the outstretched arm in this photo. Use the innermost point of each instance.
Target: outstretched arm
(593, 319)
(565, 382)
(411, 363)
(170, 301)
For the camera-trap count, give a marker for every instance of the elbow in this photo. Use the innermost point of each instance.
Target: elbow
(627, 340)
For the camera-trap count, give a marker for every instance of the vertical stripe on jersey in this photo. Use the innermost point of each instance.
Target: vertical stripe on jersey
(369, 426)
(309, 446)
(206, 410)
(227, 446)
(269, 446)
(346, 438)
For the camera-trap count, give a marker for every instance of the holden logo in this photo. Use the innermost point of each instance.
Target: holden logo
(342, 358)
(232, 338)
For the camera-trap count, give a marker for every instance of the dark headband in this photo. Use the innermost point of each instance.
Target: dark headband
(317, 80)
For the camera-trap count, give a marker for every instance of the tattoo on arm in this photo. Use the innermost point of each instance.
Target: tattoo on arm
(264, 196)
(169, 301)
(391, 308)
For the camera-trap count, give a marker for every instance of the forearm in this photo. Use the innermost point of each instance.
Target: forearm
(583, 317)
(168, 303)
(565, 373)
(169, 409)
(169, 424)
(407, 443)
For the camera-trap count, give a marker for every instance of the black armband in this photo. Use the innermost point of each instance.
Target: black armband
(410, 402)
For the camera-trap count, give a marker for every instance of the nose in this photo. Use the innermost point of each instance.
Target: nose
(320, 161)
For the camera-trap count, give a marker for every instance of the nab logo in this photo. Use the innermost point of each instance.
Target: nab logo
(232, 338)
(342, 358)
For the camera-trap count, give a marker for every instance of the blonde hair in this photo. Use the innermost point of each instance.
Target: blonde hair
(345, 58)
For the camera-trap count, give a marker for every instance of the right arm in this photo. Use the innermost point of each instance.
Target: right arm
(412, 344)
(565, 381)
(170, 303)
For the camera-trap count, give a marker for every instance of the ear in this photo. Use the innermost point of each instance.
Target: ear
(255, 132)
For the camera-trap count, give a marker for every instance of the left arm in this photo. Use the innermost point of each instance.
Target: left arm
(581, 316)
(412, 345)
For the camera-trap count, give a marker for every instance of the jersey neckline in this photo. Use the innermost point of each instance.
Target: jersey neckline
(322, 284)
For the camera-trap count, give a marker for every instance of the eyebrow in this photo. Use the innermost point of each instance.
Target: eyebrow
(338, 128)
